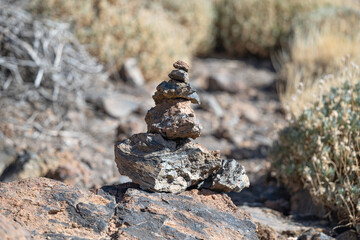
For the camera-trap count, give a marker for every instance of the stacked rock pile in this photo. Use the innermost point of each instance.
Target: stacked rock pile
(173, 116)
(164, 159)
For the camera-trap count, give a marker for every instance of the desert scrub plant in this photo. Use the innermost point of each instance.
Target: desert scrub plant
(116, 30)
(320, 39)
(198, 17)
(320, 149)
(257, 26)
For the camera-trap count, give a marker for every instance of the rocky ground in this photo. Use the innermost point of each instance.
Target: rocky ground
(73, 143)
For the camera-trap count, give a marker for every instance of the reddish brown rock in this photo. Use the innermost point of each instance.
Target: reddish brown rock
(189, 215)
(10, 229)
(49, 209)
(173, 119)
(181, 65)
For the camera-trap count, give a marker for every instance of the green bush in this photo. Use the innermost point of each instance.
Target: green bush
(320, 149)
(157, 33)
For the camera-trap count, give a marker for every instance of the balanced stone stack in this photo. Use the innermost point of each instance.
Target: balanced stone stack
(173, 117)
(164, 159)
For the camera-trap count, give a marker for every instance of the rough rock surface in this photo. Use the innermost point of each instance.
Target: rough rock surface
(10, 229)
(49, 209)
(175, 89)
(181, 65)
(173, 119)
(230, 177)
(190, 215)
(179, 75)
(158, 164)
(41, 208)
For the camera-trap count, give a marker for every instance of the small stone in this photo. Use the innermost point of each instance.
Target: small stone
(181, 65)
(230, 177)
(312, 234)
(132, 73)
(173, 119)
(174, 89)
(179, 75)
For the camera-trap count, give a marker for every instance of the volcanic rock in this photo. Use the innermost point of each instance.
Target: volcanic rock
(179, 75)
(49, 209)
(10, 229)
(230, 177)
(157, 164)
(194, 214)
(164, 159)
(189, 215)
(181, 65)
(173, 119)
(174, 89)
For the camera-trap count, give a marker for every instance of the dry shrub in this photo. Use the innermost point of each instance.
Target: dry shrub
(257, 26)
(261, 27)
(320, 149)
(321, 39)
(157, 33)
(198, 18)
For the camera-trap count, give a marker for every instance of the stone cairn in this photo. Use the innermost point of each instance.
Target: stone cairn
(164, 159)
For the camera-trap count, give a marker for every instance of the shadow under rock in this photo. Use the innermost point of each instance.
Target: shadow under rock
(263, 193)
(116, 191)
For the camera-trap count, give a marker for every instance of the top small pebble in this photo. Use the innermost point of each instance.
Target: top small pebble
(181, 65)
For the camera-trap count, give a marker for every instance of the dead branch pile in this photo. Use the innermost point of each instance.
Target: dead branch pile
(41, 59)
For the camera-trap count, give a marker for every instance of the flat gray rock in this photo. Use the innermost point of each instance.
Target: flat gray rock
(179, 75)
(174, 89)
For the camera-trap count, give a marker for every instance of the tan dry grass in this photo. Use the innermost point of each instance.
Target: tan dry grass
(317, 49)
(157, 33)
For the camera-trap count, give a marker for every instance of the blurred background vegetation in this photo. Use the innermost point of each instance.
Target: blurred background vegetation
(314, 46)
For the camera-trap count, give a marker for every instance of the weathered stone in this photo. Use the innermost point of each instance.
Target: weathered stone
(173, 119)
(312, 234)
(49, 209)
(189, 215)
(230, 177)
(28, 164)
(174, 89)
(12, 230)
(119, 106)
(179, 75)
(273, 219)
(157, 164)
(181, 65)
(132, 73)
